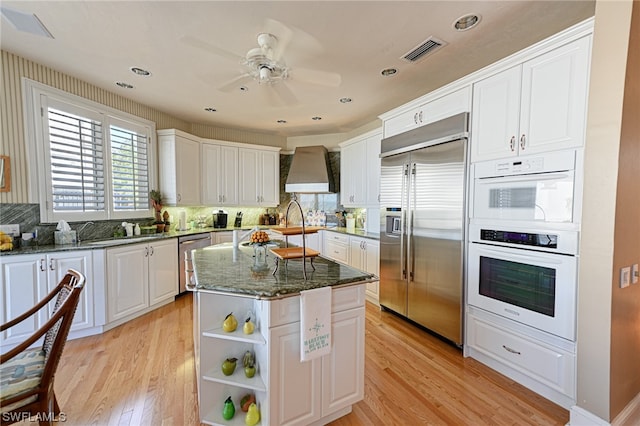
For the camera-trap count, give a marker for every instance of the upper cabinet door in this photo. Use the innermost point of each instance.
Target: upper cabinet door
(259, 177)
(270, 182)
(536, 107)
(219, 174)
(554, 99)
(179, 168)
(494, 117)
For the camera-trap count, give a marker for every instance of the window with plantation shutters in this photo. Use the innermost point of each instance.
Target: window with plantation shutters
(129, 169)
(92, 161)
(76, 162)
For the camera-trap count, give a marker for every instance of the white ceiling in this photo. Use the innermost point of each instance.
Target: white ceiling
(99, 41)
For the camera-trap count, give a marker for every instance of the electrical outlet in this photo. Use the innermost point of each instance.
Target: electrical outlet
(13, 229)
(634, 274)
(625, 275)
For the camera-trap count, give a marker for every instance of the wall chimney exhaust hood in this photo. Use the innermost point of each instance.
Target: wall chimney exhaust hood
(310, 171)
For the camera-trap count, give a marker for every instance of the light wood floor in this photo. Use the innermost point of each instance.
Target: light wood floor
(142, 373)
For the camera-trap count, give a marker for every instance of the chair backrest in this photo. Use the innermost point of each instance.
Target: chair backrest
(68, 296)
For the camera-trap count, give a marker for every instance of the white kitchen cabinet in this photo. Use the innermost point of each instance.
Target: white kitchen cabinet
(27, 279)
(365, 255)
(219, 237)
(534, 107)
(336, 247)
(140, 277)
(360, 170)
(259, 177)
(544, 363)
(311, 241)
(288, 391)
(179, 160)
(442, 107)
(219, 174)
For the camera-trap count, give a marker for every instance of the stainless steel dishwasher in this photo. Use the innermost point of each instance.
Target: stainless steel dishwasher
(185, 245)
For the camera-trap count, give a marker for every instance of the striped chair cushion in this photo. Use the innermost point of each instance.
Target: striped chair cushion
(21, 374)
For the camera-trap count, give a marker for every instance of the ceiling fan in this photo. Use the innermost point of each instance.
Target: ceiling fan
(266, 66)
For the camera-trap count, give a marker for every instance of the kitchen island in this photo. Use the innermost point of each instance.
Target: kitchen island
(287, 390)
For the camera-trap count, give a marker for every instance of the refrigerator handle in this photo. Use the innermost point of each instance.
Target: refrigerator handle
(404, 203)
(411, 201)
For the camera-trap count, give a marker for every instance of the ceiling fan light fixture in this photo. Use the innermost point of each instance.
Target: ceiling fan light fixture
(210, 109)
(281, 121)
(316, 118)
(345, 100)
(466, 22)
(124, 85)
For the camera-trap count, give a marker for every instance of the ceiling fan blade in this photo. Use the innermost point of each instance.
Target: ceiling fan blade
(203, 45)
(322, 78)
(279, 95)
(283, 33)
(235, 83)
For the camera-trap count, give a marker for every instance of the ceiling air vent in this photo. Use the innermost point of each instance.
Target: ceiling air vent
(428, 46)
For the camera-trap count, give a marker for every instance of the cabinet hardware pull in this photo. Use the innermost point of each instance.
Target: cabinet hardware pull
(512, 143)
(513, 351)
(415, 118)
(151, 251)
(146, 251)
(51, 267)
(420, 117)
(42, 268)
(523, 141)
(179, 197)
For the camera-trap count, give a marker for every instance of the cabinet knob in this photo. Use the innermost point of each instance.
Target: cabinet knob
(512, 143)
(523, 141)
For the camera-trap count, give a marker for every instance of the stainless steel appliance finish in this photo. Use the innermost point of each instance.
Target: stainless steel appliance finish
(310, 171)
(423, 210)
(185, 245)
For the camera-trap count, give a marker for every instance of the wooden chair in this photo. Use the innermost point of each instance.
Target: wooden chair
(26, 374)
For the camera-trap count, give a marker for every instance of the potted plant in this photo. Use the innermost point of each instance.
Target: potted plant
(156, 203)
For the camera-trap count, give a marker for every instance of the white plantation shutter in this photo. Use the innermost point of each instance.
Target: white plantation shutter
(93, 162)
(76, 161)
(129, 169)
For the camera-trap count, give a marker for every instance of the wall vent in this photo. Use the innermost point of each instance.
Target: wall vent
(425, 48)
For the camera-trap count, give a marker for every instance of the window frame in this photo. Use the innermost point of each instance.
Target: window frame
(36, 96)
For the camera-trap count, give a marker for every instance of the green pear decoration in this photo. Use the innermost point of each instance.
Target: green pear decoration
(229, 410)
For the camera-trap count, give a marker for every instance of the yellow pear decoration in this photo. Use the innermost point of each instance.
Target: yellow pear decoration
(253, 415)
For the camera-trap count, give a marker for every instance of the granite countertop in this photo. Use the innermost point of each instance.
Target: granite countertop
(222, 268)
(112, 242)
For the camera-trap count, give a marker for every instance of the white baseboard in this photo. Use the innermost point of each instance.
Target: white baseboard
(580, 417)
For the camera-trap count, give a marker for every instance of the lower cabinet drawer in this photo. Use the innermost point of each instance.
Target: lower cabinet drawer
(336, 251)
(549, 365)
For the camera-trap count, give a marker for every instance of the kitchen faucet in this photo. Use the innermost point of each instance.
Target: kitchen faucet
(81, 228)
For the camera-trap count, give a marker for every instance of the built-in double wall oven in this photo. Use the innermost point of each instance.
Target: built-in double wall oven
(523, 240)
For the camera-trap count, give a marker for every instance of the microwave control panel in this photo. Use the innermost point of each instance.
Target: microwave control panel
(524, 238)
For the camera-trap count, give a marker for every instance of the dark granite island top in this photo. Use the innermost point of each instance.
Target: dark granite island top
(221, 268)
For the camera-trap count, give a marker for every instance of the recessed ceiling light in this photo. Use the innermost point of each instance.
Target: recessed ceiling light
(281, 121)
(316, 118)
(140, 71)
(345, 100)
(209, 109)
(244, 89)
(466, 22)
(388, 72)
(124, 85)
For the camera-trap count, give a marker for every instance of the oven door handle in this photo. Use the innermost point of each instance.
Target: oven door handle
(531, 256)
(526, 178)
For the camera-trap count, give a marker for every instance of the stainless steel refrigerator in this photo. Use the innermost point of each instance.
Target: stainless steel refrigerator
(423, 218)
